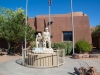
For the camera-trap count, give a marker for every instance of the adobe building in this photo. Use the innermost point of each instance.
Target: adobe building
(61, 26)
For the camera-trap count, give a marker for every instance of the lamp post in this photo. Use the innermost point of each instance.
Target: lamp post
(72, 24)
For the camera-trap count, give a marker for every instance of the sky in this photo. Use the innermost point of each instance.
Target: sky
(40, 7)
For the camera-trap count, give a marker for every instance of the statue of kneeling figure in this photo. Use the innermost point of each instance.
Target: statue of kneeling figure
(38, 40)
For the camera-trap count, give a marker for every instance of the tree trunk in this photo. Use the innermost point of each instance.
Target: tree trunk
(18, 47)
(9, 45)
(22, 45)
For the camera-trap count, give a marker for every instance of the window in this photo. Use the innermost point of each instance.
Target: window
(67, 36)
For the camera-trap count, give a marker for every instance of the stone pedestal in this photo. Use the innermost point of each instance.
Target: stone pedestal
(42, 50)
(42, 60)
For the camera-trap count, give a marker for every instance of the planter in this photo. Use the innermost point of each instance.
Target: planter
(85, 55)
(77, 56)
(94, 55)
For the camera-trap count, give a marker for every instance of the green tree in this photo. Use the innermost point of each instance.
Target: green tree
(12, 26)
(96, 31)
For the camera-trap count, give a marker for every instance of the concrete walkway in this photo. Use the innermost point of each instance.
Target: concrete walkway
(12, 68)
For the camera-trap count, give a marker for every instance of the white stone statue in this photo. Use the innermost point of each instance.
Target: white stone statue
(46, 38)
(39, 42)
(42, 42)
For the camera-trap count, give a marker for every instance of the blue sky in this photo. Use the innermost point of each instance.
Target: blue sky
(40, 7)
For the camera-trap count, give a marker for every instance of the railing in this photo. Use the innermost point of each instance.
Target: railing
(42, 60)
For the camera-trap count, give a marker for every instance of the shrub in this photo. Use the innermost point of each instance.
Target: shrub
(63, 45)
(83, 46)
(69, 47)
(60, 45)
(32, 46)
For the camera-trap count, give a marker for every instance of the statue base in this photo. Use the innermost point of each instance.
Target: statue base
(42, 50)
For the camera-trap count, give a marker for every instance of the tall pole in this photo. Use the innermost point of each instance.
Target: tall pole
(50, 1)
(24, 50)
(72, 25)
(49, 21)
(25, 25)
